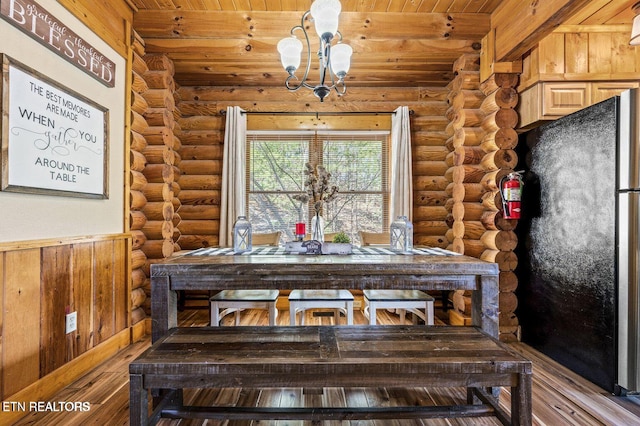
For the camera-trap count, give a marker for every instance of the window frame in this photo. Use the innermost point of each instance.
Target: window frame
(316, 140)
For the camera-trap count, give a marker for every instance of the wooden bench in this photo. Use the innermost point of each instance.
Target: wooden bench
(327, 356)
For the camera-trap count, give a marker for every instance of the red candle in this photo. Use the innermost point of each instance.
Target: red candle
(301, 228)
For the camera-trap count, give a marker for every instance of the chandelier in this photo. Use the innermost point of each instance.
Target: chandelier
(334, 60)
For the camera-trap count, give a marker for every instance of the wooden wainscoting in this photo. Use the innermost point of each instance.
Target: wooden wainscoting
(42, 281)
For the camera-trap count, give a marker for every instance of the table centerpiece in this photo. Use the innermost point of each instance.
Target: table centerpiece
(319, 191)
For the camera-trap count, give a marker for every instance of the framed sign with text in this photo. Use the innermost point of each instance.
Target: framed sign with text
(39, 24)
(54, 141)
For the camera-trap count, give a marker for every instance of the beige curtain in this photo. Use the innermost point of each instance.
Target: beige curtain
(233, 200)
(401, 176)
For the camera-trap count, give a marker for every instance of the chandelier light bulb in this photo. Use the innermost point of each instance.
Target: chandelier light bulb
(290, 49)
(341, 59)
(325, 14)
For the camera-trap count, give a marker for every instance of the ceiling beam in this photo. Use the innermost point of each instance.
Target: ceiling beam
(353, 25)
(518, 26)
(266, 48)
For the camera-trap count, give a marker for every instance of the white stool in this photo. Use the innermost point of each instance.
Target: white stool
(233, 301)
(301, 300)
(411, 300)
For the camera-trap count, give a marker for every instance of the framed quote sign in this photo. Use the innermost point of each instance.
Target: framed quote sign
(54, 141)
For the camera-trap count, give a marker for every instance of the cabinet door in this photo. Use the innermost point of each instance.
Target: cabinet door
(562, 98)
(601, 91)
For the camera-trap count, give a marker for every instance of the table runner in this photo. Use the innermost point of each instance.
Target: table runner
(274, 251)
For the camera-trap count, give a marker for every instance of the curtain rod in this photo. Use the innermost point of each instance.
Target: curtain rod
(317, 114)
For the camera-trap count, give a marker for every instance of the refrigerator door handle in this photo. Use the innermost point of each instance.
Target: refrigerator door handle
(628, 291)
(629, 140)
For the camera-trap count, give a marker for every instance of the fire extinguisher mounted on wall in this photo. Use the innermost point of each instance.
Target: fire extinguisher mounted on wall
(511, 194)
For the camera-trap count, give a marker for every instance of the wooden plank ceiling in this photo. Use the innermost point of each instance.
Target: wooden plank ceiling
(396, 43)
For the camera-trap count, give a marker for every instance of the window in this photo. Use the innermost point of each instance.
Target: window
(358, 163)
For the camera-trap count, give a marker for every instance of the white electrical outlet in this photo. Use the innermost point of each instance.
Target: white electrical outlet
(71, 322)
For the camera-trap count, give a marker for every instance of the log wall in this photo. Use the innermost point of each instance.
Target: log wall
(137, 180)
(202, 136)
(500, 159)
(482, 136)
(464, 172)
(428, 140)
(158, 216)
(463, 158)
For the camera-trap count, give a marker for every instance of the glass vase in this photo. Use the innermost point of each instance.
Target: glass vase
(317, 228)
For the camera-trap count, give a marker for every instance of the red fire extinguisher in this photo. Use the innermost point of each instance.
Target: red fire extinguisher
(511, 193)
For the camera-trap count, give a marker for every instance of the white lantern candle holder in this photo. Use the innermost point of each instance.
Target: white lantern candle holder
(242, 235)
(401, 234)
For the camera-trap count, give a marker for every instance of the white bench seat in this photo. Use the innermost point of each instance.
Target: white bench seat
(234, 301)
(413, 301)
(301, 300)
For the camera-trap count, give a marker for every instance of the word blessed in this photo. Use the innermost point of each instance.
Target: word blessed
(44, 406)
(46, 29)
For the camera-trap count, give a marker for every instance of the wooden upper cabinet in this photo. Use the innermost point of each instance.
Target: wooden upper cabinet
(560, 99)
(605, 90)
(549, 101)
(575, 67)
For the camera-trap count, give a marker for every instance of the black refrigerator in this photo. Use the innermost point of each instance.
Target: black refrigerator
(578, 254)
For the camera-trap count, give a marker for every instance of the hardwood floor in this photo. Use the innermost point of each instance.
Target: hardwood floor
(560, 397)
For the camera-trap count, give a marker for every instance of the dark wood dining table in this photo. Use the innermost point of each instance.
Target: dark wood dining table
(366, 268)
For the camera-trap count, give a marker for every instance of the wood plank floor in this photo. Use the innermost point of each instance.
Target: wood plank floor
(559, 396)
